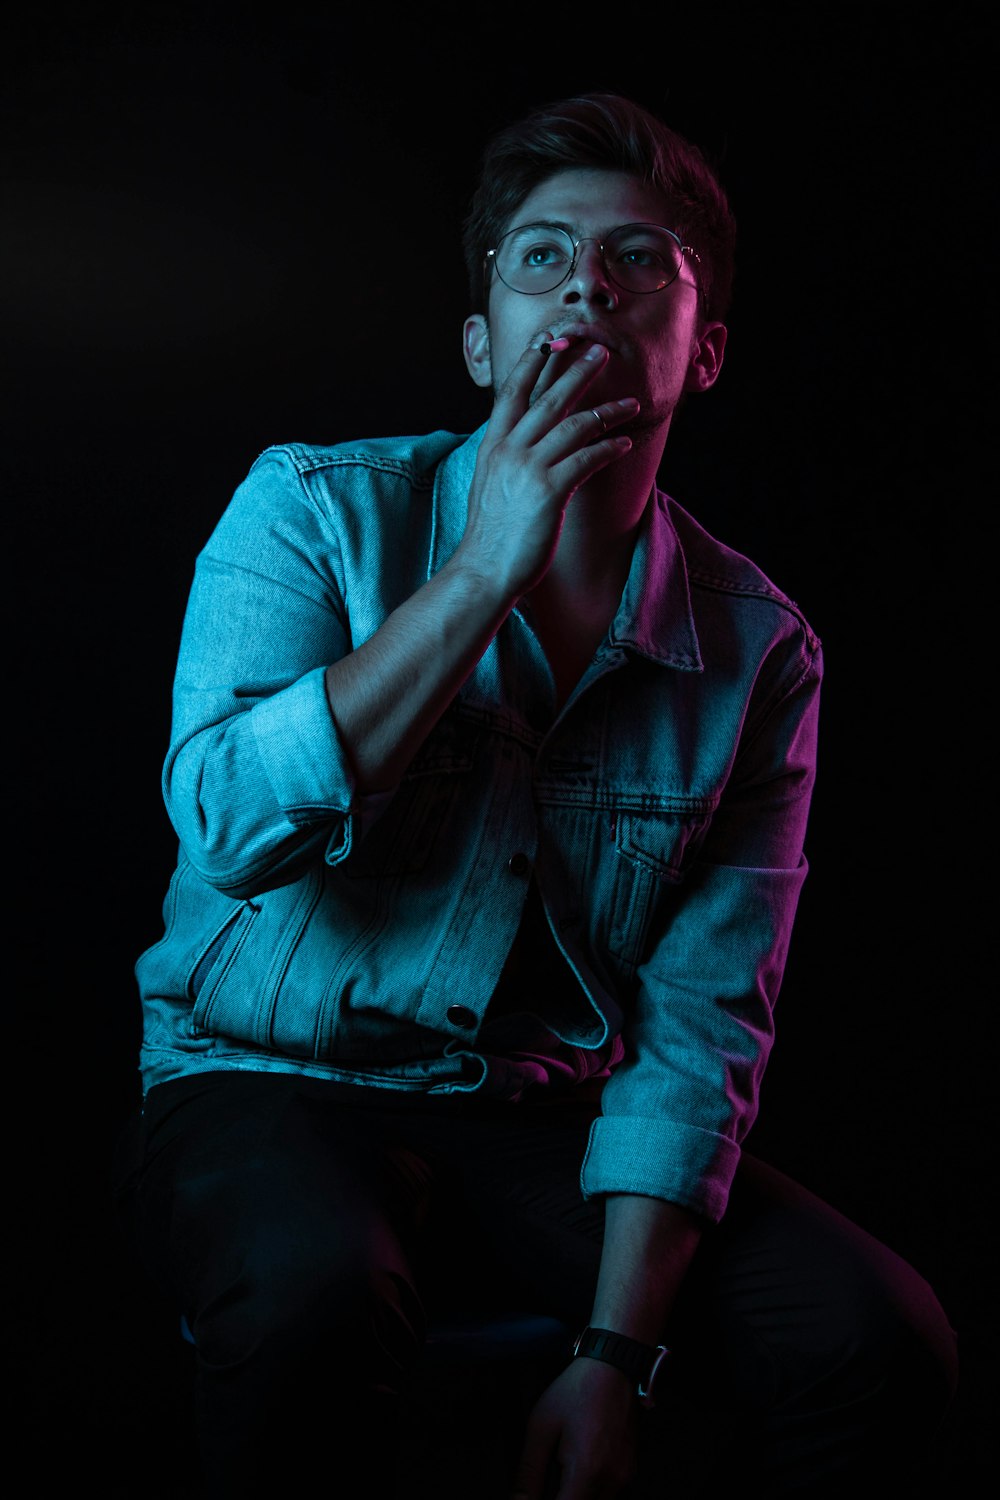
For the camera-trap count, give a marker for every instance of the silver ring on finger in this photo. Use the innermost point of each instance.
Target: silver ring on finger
(604, 425)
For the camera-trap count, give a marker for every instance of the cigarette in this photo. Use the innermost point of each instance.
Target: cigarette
(555, 346)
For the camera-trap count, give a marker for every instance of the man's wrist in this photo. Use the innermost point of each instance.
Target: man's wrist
(484, 578)
(640, 1363)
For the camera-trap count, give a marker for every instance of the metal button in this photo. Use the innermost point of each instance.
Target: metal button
(461, 1015)
(519, 863)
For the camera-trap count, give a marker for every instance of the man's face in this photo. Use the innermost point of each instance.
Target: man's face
(658, 343)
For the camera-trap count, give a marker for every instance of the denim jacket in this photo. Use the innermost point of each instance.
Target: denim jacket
(360, 938)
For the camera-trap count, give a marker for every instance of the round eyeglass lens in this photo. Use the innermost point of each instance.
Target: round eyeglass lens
(534, 258)
(537, 258)
(643, 257)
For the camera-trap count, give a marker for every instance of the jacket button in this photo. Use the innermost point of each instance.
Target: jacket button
(461, 1015)
(519, 863)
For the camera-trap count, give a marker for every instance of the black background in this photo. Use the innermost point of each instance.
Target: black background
(229, 229)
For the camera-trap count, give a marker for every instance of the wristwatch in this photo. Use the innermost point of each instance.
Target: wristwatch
(641, 1361)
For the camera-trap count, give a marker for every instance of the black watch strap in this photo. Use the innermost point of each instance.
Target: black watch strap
(639, 1361)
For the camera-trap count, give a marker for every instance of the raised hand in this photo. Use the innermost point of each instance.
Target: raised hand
(538, 449)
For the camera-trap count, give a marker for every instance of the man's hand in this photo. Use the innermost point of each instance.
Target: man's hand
(581, 1438)
(536, 452)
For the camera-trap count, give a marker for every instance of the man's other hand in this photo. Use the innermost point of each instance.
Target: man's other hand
(581, 1437)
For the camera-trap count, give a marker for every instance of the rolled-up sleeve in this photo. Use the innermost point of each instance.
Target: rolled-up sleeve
(699, 1033)
(256, 780)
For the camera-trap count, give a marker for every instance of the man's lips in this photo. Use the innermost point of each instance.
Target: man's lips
(592, 333)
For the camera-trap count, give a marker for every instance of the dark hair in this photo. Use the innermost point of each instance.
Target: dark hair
(603, 130)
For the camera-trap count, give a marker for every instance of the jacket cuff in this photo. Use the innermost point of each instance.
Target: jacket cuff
(660, 1159)
(307, 766)
(300, 751)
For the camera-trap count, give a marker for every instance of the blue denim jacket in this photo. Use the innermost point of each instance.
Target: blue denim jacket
(360, 938)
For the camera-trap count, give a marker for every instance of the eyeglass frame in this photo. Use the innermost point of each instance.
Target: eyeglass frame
(583, 240)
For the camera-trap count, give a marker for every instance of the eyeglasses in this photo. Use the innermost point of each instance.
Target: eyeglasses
(536, 258)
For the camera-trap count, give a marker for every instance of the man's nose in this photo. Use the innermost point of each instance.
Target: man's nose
(589, 280)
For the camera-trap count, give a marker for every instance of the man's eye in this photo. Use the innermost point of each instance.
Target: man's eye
(543, 255)
(640, 255)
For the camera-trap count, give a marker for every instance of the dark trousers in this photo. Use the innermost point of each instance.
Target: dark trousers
(309, 1234)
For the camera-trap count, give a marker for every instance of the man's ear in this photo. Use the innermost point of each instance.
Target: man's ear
(476, 346)
(706, 358)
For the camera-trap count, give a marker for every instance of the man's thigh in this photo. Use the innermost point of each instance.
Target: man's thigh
(509, 1228)
(262, 1182)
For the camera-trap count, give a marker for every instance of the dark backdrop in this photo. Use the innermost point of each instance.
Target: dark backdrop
(223, 233)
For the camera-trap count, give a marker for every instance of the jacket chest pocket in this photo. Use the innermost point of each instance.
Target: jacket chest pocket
(651, 856)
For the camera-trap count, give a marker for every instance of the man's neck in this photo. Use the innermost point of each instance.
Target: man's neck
(573, 605)
(602, 521)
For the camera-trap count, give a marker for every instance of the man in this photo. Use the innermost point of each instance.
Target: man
(491, 770)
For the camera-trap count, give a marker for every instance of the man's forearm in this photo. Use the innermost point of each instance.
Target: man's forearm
(387, 695)
(648, 1246)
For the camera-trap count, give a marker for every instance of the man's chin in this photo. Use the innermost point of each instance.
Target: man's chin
(646, 426)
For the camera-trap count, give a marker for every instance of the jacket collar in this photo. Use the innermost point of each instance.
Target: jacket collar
(654, 617)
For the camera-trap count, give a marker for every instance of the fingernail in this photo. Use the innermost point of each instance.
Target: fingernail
(595, 351)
